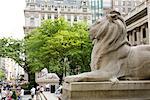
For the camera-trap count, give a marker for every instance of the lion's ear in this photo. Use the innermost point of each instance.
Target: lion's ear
(112, 17)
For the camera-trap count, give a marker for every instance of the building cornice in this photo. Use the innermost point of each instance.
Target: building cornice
(56, 12)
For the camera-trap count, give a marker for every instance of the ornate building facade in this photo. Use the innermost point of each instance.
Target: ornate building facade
(11, 69)
(138, 24)
(125, 6)
(71, 10)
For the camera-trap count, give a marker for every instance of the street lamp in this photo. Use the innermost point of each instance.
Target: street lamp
(65, 63)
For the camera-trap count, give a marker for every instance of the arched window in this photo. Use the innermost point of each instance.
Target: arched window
(32, 23)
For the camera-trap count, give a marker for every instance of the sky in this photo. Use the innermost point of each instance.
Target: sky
(12, 18)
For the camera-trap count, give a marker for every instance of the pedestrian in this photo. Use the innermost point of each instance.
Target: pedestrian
(14, 96)
(41, 89)
(21, 93)
(47, 87)
(37, 90)
(32, 92)
(9, 97)
(18, 94)
(4, 94)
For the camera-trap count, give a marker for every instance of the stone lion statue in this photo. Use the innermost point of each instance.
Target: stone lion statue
(113, 58)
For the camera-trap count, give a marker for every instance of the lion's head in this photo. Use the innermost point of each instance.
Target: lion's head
(109, 32)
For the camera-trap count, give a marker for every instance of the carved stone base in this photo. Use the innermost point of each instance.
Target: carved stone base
(137, 90)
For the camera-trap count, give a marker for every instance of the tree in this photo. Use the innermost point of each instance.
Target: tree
(48, 46)
(11, 48)
(2, 75)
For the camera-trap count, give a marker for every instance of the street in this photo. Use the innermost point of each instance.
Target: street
(48, 95)
(25, 97)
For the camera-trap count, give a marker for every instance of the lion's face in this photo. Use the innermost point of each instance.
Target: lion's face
(102, 25)
(94, 28)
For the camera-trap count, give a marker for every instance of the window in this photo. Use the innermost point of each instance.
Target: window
(49, 16)
(84, 3)
(123, 10)
(135, 36)
(69, 17)
(128, 37)
(68, 8)
(123, 3)
(42, 8)
(42, 17)
(49, 7)
(62, 8)
(85, 18)
(75, 18)
(71, 7)
(129, 3)
(84, 9)
(62, 15)
(129, 9)
(55, 9)
(32, 21)
(55, 16)
(32, 0)
(32, 7)
(144, 33)
(80, 17)
(116, 2)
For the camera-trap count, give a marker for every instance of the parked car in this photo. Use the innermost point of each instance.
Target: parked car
(58, 92)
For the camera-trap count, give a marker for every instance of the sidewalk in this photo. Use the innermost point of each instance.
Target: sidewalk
(25, 97)
(50, 96)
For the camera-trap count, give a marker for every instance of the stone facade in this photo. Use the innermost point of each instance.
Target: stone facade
(138, 24)
(71, 10)
(124, 90)
(124, 6)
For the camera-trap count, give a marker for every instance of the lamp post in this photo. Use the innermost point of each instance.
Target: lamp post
(65, 63)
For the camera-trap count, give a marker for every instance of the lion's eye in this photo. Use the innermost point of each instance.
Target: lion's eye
(98, 22)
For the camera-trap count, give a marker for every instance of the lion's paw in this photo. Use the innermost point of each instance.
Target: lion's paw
(73, 78)
(114, 80)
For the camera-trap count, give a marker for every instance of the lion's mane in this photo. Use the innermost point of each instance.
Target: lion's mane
(108, 35)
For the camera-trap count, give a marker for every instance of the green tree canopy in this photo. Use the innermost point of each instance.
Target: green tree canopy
(49, 45)
(12, 48)
(2, 74)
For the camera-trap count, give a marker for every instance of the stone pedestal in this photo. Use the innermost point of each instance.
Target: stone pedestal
(135, 90)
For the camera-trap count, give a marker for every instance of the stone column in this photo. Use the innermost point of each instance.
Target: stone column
(144, 36)
(141, 40)
(130, 37)
(72, 18)
(133, 34)
(40, 20)
(138, 35)
(65, 16)
(46, 16)
(52, 16)
(148, 11)
(147, 34)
